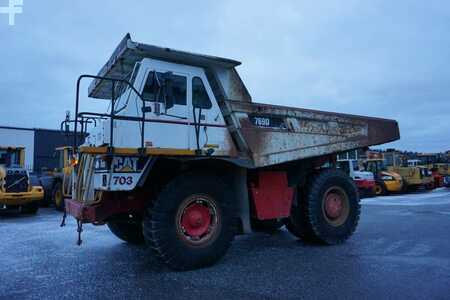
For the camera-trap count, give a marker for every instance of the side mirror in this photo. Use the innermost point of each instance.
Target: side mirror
(168, 91)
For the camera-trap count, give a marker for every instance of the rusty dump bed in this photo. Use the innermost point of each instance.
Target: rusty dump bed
(275, 134)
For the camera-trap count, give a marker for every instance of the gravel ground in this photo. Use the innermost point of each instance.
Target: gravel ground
(400, 250)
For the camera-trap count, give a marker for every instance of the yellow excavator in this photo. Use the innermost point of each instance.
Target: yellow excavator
(16, 190)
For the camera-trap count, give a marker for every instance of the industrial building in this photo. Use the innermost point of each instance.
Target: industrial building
(39, 145)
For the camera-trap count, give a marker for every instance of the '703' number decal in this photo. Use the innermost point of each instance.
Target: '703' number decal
(122, 180)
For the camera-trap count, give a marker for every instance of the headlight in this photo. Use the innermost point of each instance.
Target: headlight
(386, 177)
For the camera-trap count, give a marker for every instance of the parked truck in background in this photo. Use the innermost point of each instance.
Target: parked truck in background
(439, 171)
(184, 159)
(16, 191)
(446, 180)
(364, 180)
(443, 170)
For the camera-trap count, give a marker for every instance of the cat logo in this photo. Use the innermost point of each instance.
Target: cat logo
(125, 164)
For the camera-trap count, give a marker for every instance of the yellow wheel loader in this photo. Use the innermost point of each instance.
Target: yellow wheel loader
(15, 188)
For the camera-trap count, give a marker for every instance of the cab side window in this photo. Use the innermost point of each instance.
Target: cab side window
(155, 80)
(200, 98)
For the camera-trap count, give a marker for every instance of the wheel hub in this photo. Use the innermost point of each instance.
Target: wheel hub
(334, 205)
(196, 220)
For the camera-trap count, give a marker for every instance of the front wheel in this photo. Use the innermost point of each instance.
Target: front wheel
(328, 210)
(58, 196)
(191, 223)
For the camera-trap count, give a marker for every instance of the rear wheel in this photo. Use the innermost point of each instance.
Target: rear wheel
(329, 210)
(127, 228)
(191, 223)
(57, 196)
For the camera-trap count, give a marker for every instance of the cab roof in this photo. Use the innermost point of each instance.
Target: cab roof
(128, 52)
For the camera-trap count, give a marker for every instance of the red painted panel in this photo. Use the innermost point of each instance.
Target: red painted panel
(271, 195)
(365, 183)
(101, 211)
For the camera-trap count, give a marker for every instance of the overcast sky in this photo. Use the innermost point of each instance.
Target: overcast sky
(386, 59)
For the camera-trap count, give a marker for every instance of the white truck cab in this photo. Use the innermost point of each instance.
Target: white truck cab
(174, 122)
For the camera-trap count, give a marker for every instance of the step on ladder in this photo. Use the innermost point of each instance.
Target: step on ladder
(85, 174)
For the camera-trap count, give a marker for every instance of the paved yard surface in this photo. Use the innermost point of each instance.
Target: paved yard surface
(400, 250)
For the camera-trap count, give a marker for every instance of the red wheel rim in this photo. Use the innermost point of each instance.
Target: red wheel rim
(335, 206)
(197, 220)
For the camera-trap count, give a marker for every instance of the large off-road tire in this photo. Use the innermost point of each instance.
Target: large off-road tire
(30, 208)
(191, 222)
(266, 225)
(128, 228)
(58, 196)
(328, 210)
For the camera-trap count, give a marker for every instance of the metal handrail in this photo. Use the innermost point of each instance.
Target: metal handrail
(112, 115)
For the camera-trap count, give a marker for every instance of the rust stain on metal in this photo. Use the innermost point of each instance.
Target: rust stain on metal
(307, 133)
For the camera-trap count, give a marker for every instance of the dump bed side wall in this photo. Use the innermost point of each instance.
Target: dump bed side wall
(294, 133)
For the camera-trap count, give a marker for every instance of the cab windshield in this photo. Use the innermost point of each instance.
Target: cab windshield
(123, 90)
(9, 157)
(375, 166)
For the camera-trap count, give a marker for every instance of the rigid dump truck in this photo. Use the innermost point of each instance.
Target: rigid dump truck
(184, 159)
(16, 192)
(385, 181)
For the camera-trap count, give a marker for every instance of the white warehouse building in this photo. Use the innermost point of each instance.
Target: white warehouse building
(39, 145)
